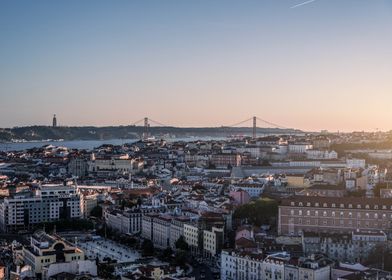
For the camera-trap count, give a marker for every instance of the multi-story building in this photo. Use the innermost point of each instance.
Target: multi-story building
(223, 160)
(148, 225)
(354, 247)
(212, 242)
(161, 231)
(254, 190)
(78, 166)
(299, 148)
(239, 265)
(192, 235)
(87, 203)
(124, 222)
(49, 203)
(334, 214)
(45, 250)
(122, 164)
(177, 229)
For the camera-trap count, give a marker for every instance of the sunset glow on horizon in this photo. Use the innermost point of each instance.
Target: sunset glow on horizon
(323, 65)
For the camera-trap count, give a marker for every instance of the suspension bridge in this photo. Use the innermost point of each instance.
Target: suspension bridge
(252, 121)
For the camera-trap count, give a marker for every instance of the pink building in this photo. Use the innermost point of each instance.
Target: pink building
(240, 196)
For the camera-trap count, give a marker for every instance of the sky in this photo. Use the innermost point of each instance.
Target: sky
(323, 65)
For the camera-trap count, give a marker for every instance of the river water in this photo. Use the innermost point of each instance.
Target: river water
(84, 144)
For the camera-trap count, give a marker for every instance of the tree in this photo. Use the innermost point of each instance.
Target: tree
(106, 271)
(147, 248)
(261, 211)
(167, 254)
(180, 257)
(96, 212)
(181, 244)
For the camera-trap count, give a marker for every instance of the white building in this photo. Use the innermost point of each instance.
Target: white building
(161, 231)
(49, 203)
(177, 229)
(299, 148)
(255, 266)
(87, 203)
(191, 234)
(212, 242)
(126, 222)
(355, 163)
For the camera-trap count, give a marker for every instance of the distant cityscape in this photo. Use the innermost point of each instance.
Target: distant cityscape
(311, 206)
(195, 140)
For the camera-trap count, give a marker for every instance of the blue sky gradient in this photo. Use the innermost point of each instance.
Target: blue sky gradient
(324, 65)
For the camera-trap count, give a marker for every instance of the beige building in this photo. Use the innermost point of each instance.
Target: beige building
(47, 249)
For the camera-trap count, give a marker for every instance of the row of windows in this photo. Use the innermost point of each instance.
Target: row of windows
(341, 205)
(341, 214)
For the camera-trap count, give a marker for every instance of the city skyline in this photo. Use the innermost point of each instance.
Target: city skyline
(309, 65)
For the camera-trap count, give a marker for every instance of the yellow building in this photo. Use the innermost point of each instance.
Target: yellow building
(46, 249)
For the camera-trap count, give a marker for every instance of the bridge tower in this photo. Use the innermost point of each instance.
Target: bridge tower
(254, 128)
(146, 125)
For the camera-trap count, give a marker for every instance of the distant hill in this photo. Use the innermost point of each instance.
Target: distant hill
(37, 133)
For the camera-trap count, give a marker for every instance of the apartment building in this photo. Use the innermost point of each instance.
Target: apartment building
(87, 203)
(161, 231)
(125, 222)
(334, 214)
(192, 235)
(48, 203)
(177, 229)
(223, 160)
(212, 242)
(354, 247)
(239, 265)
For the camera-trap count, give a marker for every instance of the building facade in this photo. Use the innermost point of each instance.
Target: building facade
(334, 214)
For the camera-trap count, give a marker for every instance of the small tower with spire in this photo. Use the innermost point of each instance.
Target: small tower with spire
(54, 121)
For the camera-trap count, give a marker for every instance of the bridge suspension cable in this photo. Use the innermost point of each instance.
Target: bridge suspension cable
(271, 123)
(156, 122)
(139, 121)
(236, 124)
